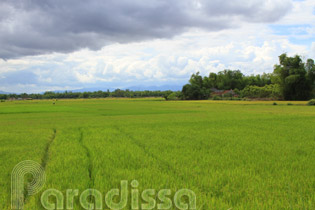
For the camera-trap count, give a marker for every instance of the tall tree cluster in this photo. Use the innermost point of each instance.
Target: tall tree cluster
(200, 87)
(292, 79)
(295, 78)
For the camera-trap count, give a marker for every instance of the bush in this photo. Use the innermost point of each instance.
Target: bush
(290, 104)
(2, 100)
(268, 91)
(172, 96)
(237, 99)
(274, 103)
(217, 98)
(311, 102)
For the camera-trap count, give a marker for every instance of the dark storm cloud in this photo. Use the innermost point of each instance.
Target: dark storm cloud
(32, 27)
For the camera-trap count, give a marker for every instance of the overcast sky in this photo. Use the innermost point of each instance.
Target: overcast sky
(73, 44)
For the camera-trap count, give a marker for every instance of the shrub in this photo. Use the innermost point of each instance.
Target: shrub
(237, 99)
(2, 100)
(217, 98)
(311, 102)
(268, 91)
(274, 103)
(290, 104)
(172, 96)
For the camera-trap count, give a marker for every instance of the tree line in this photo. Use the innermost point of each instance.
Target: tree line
(118, 93)
(292, 79)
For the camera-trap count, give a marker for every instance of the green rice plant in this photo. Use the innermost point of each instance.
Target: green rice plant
(231, 154)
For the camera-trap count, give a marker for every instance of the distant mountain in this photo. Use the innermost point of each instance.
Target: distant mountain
(133, 88)
(85, 90)
(2, 92)
(155, 88)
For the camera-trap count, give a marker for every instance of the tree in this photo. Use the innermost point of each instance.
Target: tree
(196, 89)
(172, 96)
(167, 94)
(3, 96)
(267, 91)
(84, 95)
(228, 79)
(292, 78)
(258, 80)
(310, 68)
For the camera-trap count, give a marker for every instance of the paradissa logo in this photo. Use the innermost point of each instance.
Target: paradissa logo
(114, 199)
(147, 198)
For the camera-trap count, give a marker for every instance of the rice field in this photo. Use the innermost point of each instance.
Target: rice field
(232, 155)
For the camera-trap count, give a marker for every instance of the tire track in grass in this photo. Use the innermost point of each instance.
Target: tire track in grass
(164, 165)
(90, 162)
(44, 161)
(47, 148)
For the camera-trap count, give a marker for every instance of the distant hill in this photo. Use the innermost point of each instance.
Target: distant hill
(154, 88)
(2, 92)
(133, 88)
(84, 90)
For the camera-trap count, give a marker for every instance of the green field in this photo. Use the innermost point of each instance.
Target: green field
(233, 155)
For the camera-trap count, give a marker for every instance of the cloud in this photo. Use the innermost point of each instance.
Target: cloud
(34, 27)
(18, 77)
(154, 63)
(144, 44)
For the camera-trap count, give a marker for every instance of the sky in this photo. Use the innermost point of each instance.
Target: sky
(57, 45)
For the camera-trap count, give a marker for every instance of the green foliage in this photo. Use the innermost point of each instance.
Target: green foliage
(234, 79)
(217, 98)
(258, 80)
(310, 67)
(172, 96)
(291, 80)
(275, 104)
(196, 89)
(166, 94)
(118, 93)
(311, 102)
(227, 80)
(3, 97)
(290, 104)
(268, 91)
(292, 77)
(84, 95)
(199, 87)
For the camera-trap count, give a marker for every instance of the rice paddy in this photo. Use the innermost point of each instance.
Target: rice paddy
(232, 155)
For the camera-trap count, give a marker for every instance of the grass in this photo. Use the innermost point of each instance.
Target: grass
(232, 154)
